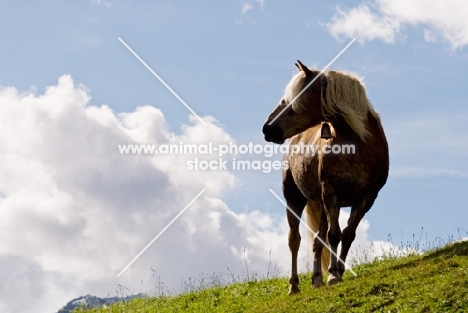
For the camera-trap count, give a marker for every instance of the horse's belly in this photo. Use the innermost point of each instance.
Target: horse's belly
(309, 173)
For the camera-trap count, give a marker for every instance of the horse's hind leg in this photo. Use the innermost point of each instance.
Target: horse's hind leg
(349, 233)
(296, 202)
(321, 260)
(330, 202)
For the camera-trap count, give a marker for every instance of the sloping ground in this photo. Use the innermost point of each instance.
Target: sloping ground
(434, 282)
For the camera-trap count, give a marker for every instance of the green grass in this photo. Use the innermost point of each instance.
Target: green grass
(434, 282)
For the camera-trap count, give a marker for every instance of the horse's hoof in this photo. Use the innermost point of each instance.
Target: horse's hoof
(341, 269)
(317, 282)
(317, 285)
(333, 279)
(293, 289)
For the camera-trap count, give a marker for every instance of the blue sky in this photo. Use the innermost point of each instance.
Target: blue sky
(62, 182)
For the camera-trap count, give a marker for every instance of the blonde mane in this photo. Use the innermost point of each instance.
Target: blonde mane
(344, 95)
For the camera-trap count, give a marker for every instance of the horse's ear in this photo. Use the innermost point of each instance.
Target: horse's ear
(303, 68)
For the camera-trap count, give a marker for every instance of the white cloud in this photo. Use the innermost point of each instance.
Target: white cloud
(101, 2)
(363, 24)
(261, 3)
(74, 212)
(386, 19)
(246, 7)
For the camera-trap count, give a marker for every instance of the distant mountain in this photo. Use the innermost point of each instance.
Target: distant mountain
(90, 302)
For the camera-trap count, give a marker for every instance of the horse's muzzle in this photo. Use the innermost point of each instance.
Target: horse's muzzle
(273, 133)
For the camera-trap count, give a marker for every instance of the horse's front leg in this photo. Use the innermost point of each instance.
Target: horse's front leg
(296, 203)
(330, 202)
(294, 241)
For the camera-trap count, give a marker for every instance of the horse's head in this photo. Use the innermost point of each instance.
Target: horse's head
(294, 114)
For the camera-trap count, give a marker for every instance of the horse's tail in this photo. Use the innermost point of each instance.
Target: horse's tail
(313, 221)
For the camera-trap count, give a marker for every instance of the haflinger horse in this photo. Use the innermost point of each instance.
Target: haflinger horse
(320, 182)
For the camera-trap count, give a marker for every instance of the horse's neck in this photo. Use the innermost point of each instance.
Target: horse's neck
(342, 129)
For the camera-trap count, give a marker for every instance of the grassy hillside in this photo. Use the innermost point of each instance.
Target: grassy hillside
(434, 282)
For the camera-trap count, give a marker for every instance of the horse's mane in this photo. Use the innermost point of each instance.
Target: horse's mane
(344, 95)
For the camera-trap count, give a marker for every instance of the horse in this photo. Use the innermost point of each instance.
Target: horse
(318, 182)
